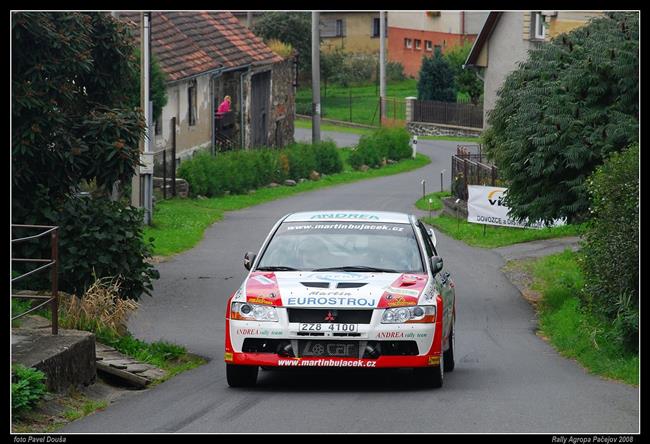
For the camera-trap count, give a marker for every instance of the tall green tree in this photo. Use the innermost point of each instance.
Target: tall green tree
(158, 86)
(465, 80)
(73, 122)
(574, 101)
(436, 79)
(288, 27)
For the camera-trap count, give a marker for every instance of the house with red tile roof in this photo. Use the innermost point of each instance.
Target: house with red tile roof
(208, 55)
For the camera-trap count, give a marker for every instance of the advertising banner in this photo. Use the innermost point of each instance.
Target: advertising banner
(485, 205)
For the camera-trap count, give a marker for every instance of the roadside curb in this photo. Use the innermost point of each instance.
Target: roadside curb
(126, 369)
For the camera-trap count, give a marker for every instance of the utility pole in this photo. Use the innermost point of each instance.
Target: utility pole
(315, 76)
(382, 62)
(142, 186)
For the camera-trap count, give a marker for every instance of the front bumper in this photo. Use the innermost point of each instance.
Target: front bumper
(424, 335)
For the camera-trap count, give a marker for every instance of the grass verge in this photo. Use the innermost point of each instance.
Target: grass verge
(479, 235)
(436, 201)
(179, 224)
(62, 409)
(572, 331)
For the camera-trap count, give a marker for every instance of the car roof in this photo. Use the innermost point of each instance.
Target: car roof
(349, 216)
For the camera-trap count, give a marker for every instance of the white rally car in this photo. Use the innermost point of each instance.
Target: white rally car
(343, 289)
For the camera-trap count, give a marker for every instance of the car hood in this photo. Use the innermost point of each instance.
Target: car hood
(333, 289)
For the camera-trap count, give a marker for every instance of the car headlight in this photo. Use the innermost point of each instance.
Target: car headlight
(252, 312)
(426, 313)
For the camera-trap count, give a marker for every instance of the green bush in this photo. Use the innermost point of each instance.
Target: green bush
(27, 388)
(385, 143)
(97, 238)
(302, 161)
(611, 245)
(328, 158)
(241, 171)
(395, 72)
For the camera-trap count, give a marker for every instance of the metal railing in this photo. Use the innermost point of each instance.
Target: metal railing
(52, 263)
(448, 113)
(471, 168)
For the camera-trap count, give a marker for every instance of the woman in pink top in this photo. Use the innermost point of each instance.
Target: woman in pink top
(224, 107)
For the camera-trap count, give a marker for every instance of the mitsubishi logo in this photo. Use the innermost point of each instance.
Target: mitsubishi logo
(330, 316)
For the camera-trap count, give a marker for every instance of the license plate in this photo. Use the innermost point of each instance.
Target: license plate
(333, 328)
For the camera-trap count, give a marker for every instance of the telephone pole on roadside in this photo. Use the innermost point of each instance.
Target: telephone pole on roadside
(315, 76)
(382, 63)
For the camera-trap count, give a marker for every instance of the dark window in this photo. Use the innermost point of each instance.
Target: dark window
(339, 28)
(158, 127)
(191, 102)
(375, 27)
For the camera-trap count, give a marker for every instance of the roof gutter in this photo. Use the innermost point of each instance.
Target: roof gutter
(481, 39)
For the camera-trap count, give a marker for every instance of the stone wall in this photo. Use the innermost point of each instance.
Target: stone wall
(454, 209)
(433, 129)
(283, 104)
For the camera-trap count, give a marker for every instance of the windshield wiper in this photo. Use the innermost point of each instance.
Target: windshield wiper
(357, 268)
(276, 268)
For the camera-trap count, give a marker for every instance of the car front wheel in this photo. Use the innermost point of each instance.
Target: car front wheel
(449, 354)
(241, 375)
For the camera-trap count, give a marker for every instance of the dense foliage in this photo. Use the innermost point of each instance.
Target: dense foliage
(72, 77)
(436, 79)
(465, 80)
(241, 171)
(376, 148)
(27, 388)
(611, 244)
(158, 86)
(574, 101)
(293, 28)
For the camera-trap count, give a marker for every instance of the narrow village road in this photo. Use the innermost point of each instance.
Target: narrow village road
(506, 378)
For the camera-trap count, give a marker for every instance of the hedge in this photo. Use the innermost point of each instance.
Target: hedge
(383, 144)
(611, 245)
(240, 171)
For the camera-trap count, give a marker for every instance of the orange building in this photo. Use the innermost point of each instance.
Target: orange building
(416, 34)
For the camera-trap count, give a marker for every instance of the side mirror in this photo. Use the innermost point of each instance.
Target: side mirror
(249, 258)
(432, 235)
(436, 264)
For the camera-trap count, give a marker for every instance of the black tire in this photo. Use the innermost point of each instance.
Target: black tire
(430, 377)
(241, 375)
(449, 354)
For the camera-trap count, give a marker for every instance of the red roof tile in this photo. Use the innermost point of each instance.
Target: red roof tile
(189, 43)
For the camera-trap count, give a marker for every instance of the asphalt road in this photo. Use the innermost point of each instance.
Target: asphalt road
(506, 378)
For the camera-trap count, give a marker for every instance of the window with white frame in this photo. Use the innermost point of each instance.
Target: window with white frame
(418, 44)
(428, 46)
(408, 43)
(539, 30)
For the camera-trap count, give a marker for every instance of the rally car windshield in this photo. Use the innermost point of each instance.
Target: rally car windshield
(345, 246)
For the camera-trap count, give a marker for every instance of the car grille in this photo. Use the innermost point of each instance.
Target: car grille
(319, 315)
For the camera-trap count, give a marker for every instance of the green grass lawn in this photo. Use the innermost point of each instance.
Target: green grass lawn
(359, 103)
(573, 332)
(179, 224)
(494, 236)
(436, 201)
